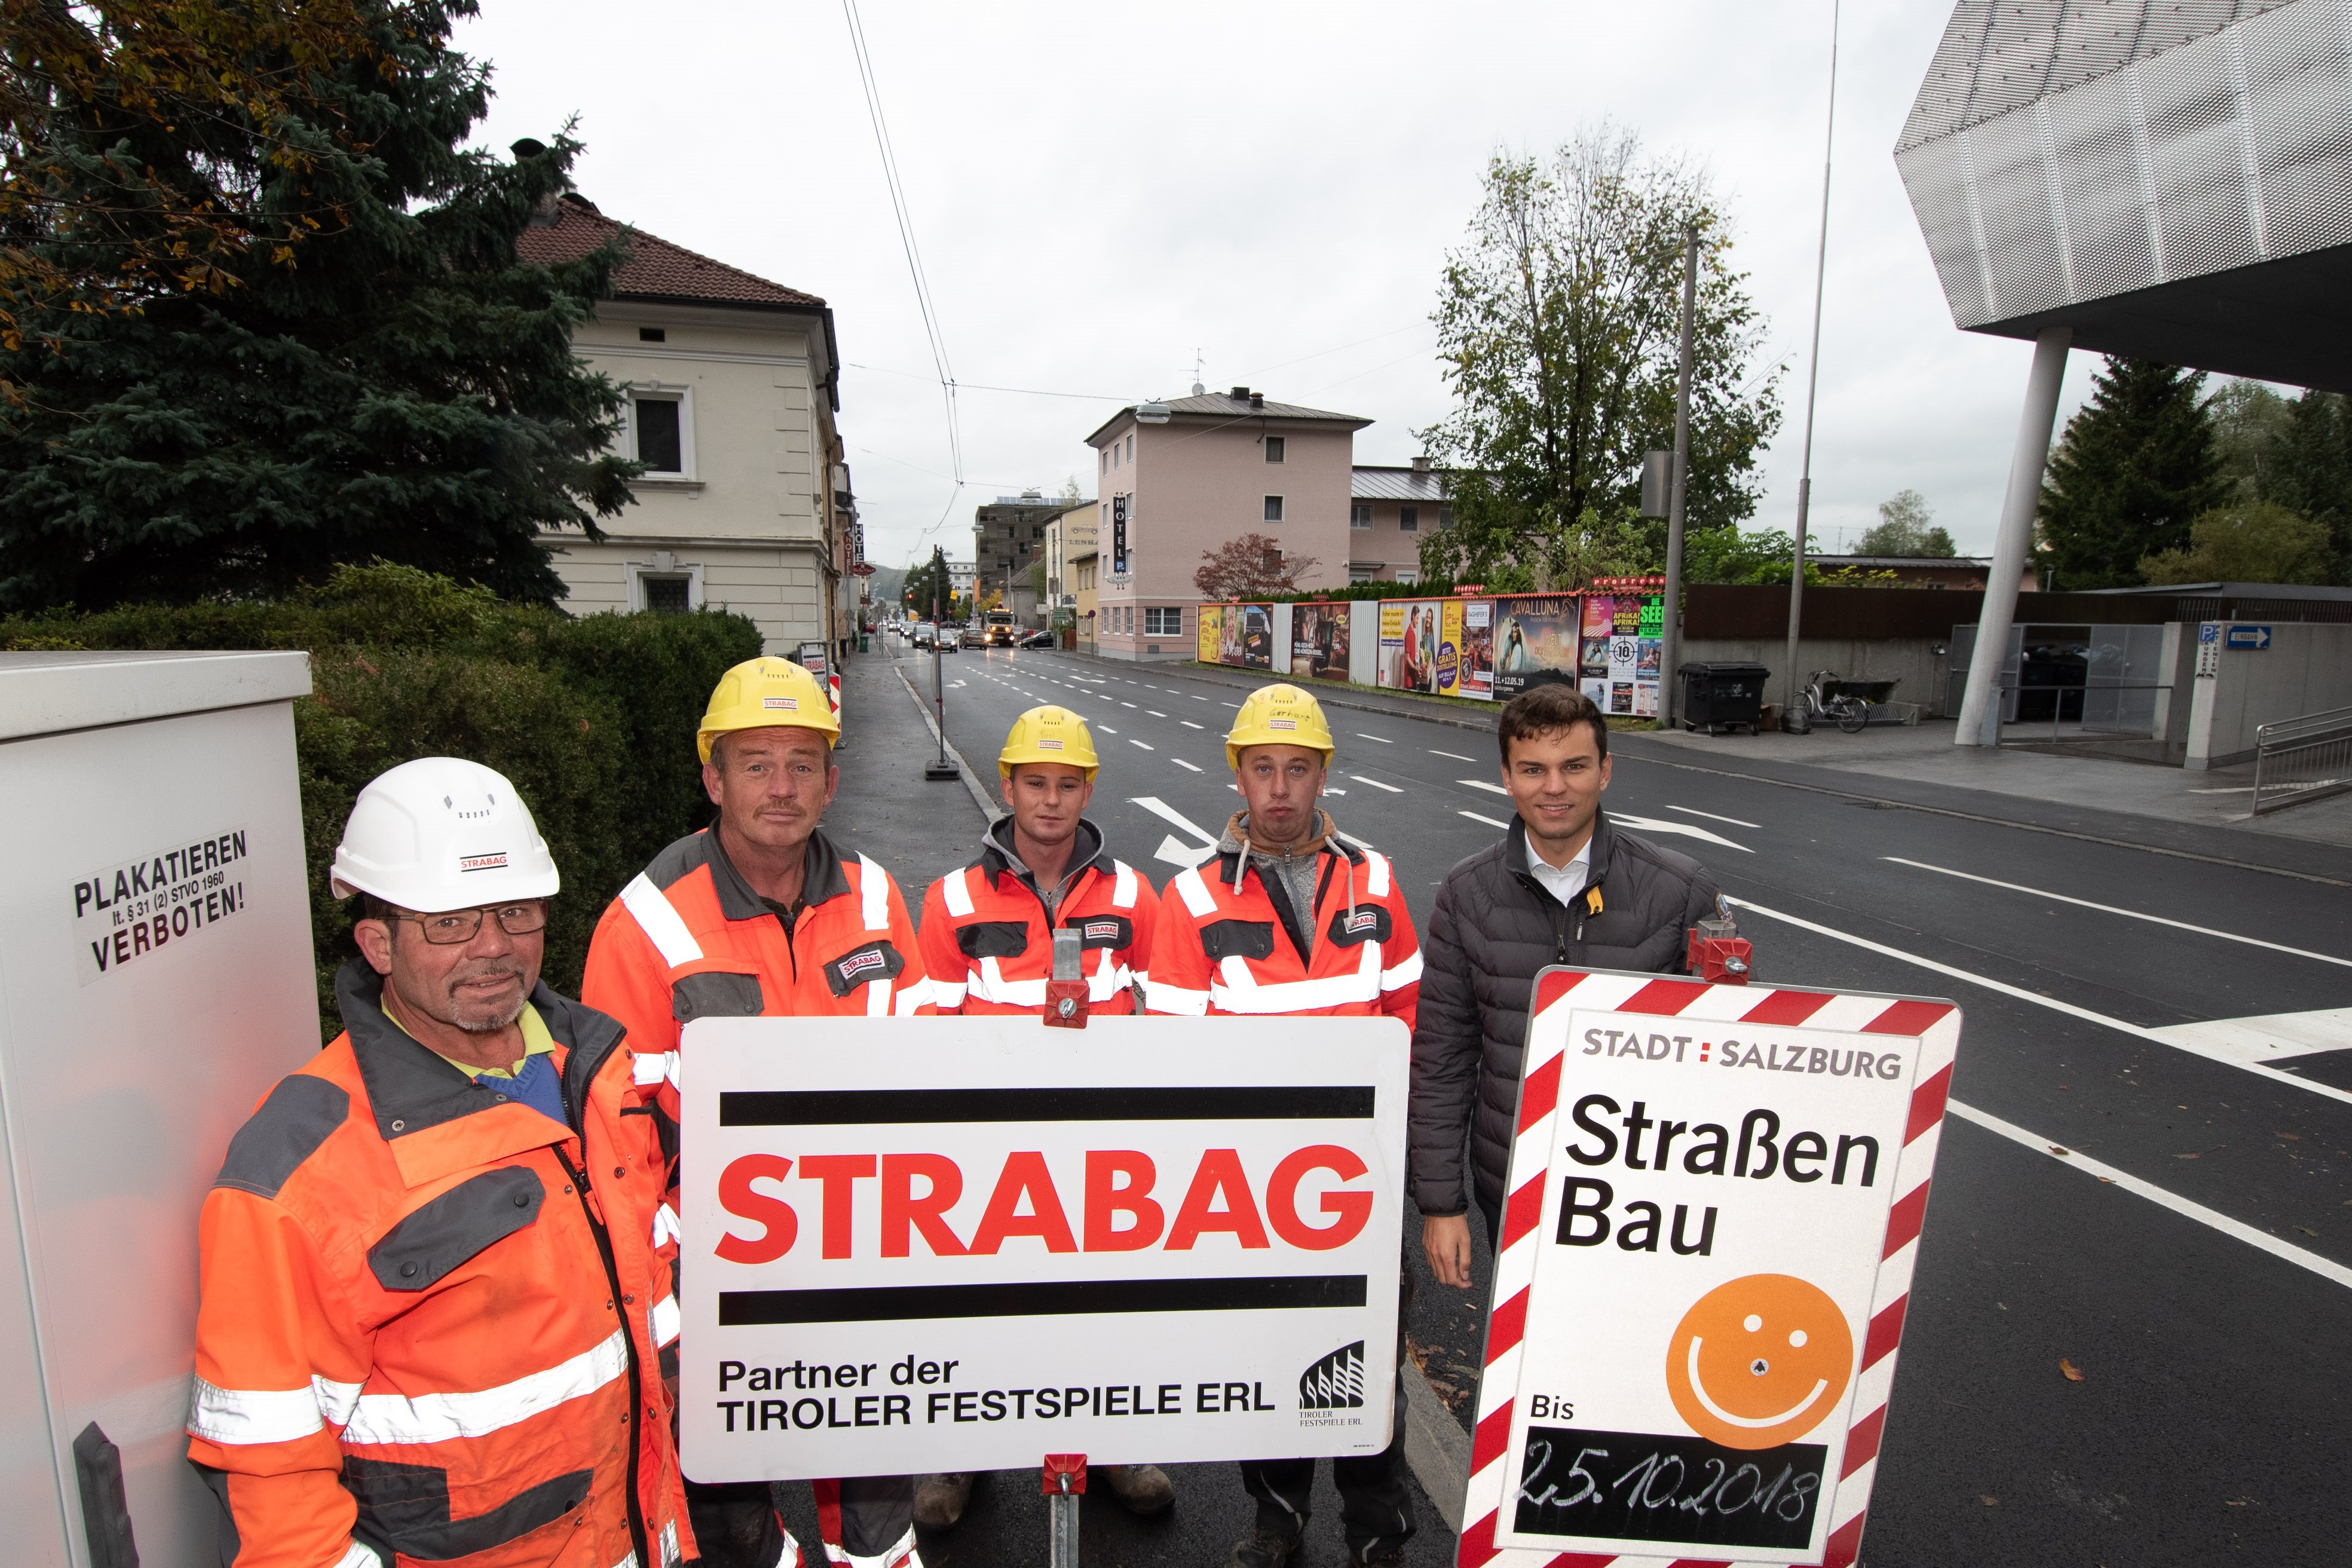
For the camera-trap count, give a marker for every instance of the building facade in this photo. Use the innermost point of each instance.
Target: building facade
(1086, 594)
(733, 386)
(1007, 536)
(1222, 465)
(1073, 530)
(1390, 511)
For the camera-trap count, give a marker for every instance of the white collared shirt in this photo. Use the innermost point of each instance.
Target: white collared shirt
(1562, 882)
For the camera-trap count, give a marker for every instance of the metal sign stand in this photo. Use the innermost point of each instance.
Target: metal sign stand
(1065, 1483)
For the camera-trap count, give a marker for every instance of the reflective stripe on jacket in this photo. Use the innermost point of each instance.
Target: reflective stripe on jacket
(431, 1323)
(987, 942)
(1227, 949)
(688, 939)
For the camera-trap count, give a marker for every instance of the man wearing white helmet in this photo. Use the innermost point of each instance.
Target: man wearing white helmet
(435, 1292)
(763, 915)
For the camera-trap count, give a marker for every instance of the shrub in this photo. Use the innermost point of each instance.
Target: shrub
(592, 719)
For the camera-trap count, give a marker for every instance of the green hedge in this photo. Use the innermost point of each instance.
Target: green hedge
(592, 719)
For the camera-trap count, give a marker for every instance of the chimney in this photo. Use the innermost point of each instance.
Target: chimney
(1241, 394)
(1257, 400)
(1421, 465)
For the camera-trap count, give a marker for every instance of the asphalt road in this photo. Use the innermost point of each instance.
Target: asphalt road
(2205, 1294)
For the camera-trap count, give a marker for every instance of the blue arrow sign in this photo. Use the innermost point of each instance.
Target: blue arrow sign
(2248, 637)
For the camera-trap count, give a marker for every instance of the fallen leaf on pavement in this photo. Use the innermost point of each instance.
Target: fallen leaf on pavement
(2306, 1230)
(1988, 1501)
(2057, 1151)
(2290, 1137)
(2109, 1180)
(2185, 1156)
(2073, 1373)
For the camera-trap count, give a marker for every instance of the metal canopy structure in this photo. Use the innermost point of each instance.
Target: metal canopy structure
(2167, 179)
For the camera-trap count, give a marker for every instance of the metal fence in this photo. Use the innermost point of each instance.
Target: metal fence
(2296, 760)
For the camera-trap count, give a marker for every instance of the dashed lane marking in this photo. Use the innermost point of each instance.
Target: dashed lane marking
(1482, 783)
(1136, 743)
(1376, 784)
(1187, 723)
(1693, 810)
(1383, 740)
(1155, 714)
(1455, 756)
(2209, 1053)
(1185, 765)
(1488, 820)
(2128, 914)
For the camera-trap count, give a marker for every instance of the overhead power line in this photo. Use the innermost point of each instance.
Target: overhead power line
(940, 363)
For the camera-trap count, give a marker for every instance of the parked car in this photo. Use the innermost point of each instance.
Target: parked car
(1040, 640)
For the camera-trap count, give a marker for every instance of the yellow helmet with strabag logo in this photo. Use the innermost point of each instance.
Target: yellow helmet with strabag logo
(1048, 734)
(1279, 715)
(763, 693)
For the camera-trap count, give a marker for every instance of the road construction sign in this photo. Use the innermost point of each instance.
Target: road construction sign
(1715, 1194)
(920, 1245)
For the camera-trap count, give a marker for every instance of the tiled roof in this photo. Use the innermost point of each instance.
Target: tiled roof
(1396, 484)
(656, 269)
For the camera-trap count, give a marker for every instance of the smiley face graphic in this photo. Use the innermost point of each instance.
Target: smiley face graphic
(1760, 1360)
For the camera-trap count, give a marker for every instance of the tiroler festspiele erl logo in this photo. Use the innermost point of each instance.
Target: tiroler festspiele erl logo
(1335, 1383)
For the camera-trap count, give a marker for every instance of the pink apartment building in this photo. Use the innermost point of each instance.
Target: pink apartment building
(1391, 510)
(1224, 465)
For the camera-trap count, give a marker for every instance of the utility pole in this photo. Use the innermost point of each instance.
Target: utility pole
(1812, 380)
(942, 770)
(1670, 620)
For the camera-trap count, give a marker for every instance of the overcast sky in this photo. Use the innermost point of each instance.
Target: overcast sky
(1097, 192)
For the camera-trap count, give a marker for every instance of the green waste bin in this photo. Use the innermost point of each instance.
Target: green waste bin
(863, 640)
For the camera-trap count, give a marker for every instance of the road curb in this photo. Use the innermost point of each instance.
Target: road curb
(1436, 1449)
(963, 769)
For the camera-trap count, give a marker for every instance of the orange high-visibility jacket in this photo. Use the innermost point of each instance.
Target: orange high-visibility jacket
(433, 1319)
(1226, 949)
(688, 939)
(988, 945)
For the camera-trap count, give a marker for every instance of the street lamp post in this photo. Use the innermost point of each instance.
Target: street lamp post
(941, 771)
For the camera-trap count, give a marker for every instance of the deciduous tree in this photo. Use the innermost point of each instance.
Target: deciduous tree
(2246, 542)
(1905, 526)
(1559, 328)
(1250, 567)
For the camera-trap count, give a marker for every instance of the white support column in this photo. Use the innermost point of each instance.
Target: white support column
(1981, 706)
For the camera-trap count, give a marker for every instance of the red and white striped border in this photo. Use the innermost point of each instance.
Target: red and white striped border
(1935, 1025)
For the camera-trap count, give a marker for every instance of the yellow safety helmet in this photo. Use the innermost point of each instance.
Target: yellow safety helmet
(1048, 734)
(763, 693)
(1279, 715)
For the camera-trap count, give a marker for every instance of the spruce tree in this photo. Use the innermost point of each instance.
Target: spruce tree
(2313, 472)
(2136, 466)
(404, 390)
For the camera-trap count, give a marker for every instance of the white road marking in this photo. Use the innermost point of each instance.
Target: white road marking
(2270, 1036)
(2326, 1268)
(1189, 725)
(1126, 704)
(1198, 698)
(1329, 790)
(1482, 783)
(1167, 813)
(1135, 742)
(2130, 914)
(1376, 784)
(1237, 707)
(1455, 756)
(1155, 715)
(2309, 1086)
(1693, 810)
(1185, 765)
(1488, 820)
(1383, 740)
(1682, 829)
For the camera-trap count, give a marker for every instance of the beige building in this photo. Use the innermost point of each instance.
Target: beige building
(733, 385)
(1086, 594)
(1390, 511)
(1071, 531)
(1222, 465)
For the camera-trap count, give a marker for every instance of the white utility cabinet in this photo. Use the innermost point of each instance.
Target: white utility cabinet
(155, 980)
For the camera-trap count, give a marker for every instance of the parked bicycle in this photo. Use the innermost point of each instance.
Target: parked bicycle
(1848, 714)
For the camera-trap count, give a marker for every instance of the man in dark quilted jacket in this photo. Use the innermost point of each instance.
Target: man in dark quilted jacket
(1564, 886)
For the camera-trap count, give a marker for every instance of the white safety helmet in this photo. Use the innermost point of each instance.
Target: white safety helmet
(441, 834)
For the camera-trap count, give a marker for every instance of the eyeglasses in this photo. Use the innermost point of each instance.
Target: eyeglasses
(464, 925)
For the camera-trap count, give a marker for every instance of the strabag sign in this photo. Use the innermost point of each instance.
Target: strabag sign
(1716, 1200)
(123, 913)
(958, 1244)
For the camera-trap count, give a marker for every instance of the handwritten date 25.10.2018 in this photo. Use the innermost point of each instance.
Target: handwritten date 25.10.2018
(1641, 1485)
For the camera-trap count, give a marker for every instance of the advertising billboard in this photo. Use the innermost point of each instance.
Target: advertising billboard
(1535, 642)
(1209, 633)
(1319, 641)
(1619, 652)
(1409, 644)
(1476, 676)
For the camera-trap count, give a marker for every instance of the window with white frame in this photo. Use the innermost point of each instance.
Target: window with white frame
(1163, 620)
(1359, 515)
(667, 586)
(661, 432)
(1407, 520)
(1274, 448)
(1130, 448)
(1274, 509)
(1363, 571)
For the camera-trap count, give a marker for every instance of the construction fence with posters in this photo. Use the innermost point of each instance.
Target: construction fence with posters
(1604, 641)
